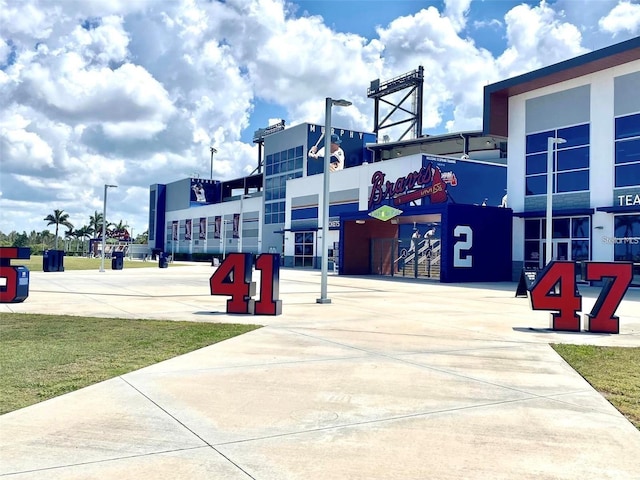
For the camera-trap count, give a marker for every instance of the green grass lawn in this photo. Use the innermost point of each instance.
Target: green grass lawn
(34, 264)
(612, 371)
(43, 356)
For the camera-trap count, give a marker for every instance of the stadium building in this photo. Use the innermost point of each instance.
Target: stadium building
(583, 117)
(436, 206)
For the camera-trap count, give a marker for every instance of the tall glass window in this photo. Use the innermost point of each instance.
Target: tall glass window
(280, 167)
(303, 249)
(570, 161)
(627, 151)
(570, 234)
(627, 242)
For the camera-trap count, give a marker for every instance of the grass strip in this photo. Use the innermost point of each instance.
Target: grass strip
(35, 263)
(612, 371)
(43, 356)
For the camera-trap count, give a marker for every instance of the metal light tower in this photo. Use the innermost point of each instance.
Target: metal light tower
(551, 141)
(329, 102)
(104, 224)
(212, 150)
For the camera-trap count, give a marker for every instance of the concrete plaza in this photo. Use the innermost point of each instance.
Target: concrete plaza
(395, 379)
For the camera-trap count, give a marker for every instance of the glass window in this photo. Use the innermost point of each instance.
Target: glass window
(573, 158)
(269, 160)
(536, 163)
(571, 155)
(532, 229)
(627, 170)
(628, 151)
(627, 236)
(532, 251)
(538, 141)
(573, 181)
(536, 185)
(628, 175)
(573, 235)
(627, 226)
(627, 127)
(303, 249)
(561, 227)
(580, 250)
(574, 136)
(580, 227)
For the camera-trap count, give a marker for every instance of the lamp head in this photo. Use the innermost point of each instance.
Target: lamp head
(341, 103)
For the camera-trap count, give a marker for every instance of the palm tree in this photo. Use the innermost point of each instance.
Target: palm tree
(84, 232)
(95, 223)
(69, 235)
(58, 218)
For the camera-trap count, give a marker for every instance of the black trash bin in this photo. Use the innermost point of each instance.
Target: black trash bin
(163, 260)
(53, 261)
(117, 260)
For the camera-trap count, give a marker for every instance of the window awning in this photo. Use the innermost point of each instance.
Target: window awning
(570, 212)
(620, 209)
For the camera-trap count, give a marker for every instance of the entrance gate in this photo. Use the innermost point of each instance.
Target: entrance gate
(406, 257)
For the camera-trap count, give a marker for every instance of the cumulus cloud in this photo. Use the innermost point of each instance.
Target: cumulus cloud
(135, 92)
(537, 36)
(624, 17)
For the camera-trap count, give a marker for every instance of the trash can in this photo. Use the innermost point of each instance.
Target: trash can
(22, 288)
(53, 261)
(163, 260)
(117, 260)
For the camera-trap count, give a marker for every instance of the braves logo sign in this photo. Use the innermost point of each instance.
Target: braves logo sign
(429, 181)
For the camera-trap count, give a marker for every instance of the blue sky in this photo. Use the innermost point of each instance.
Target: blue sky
(135, 92)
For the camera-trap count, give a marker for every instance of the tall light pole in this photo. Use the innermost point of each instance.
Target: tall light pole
(212, 150)
(329, 102)
(224, 245)
(551, 141)
(104, 223)
(240, 221)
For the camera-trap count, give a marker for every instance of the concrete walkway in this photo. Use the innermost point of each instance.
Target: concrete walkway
(395, 379)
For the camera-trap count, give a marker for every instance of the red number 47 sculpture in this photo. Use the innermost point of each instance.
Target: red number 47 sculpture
(555, 290)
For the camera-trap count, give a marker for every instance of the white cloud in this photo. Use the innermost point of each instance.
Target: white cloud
(537, 36)
(456, 11)
(625, 17)
(135, 92)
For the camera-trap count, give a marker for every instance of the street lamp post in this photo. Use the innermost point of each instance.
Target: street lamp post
(212, 150)
(329, 102)
(104, 224)
(551, 141)
(224, 229)
(241, 219)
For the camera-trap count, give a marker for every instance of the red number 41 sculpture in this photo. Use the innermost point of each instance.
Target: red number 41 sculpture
(233, 278)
